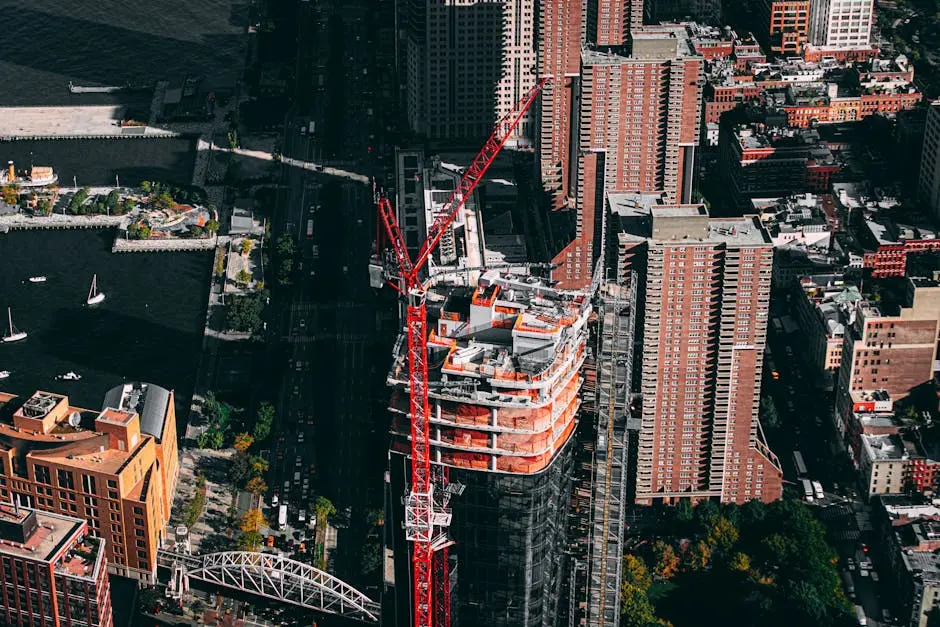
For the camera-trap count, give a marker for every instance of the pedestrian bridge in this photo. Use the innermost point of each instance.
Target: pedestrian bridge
(273, 577)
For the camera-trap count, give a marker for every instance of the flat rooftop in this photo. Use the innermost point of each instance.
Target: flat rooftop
(636, 214)
(52, 533)
(883, 448)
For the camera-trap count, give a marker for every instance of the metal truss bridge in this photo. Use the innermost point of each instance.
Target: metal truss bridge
(273, 577)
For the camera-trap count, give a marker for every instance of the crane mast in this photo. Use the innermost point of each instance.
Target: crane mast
(427, 513)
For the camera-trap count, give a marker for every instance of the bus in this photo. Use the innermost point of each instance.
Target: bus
(282, 516)
(818, 490)
(310, 227)
(860, 615)
(799, 463)
(807, 490)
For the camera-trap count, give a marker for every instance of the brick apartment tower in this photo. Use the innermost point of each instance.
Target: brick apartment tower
(54, 572)
(705, 293)
(639, 128)
(787, 24)
(467, 63)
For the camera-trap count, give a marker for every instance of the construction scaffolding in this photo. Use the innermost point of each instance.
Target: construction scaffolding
(614, 356)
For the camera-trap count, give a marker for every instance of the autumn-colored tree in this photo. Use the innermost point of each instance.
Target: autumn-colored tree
(665, 560)
(636, 573)
(252, 520)
(9, 194)
(246, 246)
(243, 441)
(740, 562)
(698, 556)
(722, 535)
(256, 485)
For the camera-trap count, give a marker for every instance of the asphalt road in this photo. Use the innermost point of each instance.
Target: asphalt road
(805, 415)
(329, 324)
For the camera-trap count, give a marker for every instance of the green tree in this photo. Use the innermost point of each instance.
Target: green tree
(112, 200)
(244, 314)
(216, 439)
(249, 541)
(196, 231)
(243, 276)
(635, 607)
(240, 469)
(635, 573)
(258, 465)
(163, 201)
(212, 226)
(665, 560)
(44, 206)
(323, 508)
(768, 412)
(145, 186)
(722, 535)
(371, 558)
(265, 420)
(220, 265)
(193, 508)
(127, 205)
(685, 513)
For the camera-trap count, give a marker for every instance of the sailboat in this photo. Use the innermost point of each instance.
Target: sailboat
(13, 335)
(94, 296)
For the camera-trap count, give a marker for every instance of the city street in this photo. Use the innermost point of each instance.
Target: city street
(805, 417)
(328, 323)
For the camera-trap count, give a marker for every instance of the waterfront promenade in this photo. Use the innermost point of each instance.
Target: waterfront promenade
(92, 122)
(58, 221)
(124, 245)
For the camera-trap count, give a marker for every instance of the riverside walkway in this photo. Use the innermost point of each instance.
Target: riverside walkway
(93, 122)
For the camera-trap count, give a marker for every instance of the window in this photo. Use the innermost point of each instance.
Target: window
(42, 474)
(66, 480)
(88, 484)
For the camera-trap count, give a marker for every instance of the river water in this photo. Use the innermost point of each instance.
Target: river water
(150, 325)
(148, 328)
(47, 43)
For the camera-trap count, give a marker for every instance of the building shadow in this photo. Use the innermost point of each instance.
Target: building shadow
(105, 54)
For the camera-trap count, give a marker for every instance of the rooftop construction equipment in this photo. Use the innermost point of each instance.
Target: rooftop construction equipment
(426, 514)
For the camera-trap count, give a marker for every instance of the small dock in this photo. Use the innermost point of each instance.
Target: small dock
(124, 245)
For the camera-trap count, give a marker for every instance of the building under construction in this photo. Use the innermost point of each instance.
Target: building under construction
(504, 370)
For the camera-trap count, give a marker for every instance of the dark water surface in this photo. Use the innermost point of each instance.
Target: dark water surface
(97, 162)
(47, 43)
(148, 328)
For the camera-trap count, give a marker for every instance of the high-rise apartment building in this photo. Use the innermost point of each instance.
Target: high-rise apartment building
(640, 120)
(841, 24)
(467, 63)
(559, 58)
(890, 346)
(786, 23)
(928, 182)
(505, 357)
(52, 572)
(704, 292)
(610, 22)
(115, 468)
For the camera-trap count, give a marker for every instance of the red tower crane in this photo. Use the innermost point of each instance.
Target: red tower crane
(425, 510)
